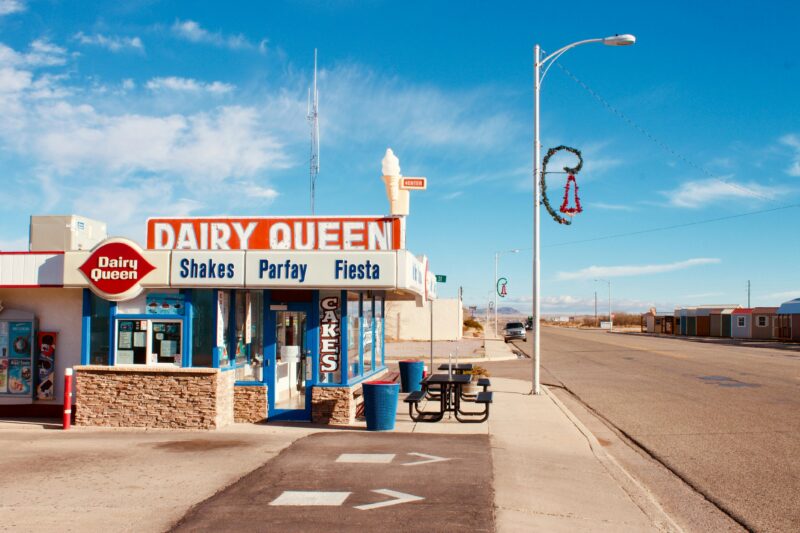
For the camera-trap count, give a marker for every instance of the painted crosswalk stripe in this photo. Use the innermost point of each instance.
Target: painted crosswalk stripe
(310, 498)
(383, 458)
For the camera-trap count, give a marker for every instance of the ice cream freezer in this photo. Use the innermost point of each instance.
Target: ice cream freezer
(17, 344)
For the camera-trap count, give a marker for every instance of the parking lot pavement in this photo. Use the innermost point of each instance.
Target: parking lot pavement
(100, 479)
(348, 481)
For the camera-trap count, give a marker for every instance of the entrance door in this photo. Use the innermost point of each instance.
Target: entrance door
(289, 372)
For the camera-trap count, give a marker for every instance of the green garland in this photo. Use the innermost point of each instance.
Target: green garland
(550, 153)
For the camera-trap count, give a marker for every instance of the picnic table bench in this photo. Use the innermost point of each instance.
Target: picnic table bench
(450, 398)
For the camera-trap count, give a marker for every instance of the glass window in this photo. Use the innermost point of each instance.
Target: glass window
(367, 332)
(223, 330)
(241, 327)
(740, 321)
(256, 340)
(99, 346)
(353, 334)
(379, 330)
(203, 332)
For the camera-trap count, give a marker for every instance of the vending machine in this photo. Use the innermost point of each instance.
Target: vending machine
(17, 344)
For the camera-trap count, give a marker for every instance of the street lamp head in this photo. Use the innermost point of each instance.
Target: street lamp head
(620, 40)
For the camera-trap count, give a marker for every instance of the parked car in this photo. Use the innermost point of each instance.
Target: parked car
(514, 330)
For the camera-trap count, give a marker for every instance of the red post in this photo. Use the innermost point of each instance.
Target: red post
(67, 398)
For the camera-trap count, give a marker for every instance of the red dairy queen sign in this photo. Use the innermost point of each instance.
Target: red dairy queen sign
(115, 268)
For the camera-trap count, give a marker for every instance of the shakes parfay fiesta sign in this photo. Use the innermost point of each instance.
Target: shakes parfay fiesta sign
(115, 269)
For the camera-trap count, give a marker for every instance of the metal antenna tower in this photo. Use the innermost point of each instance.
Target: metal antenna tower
(312, 114)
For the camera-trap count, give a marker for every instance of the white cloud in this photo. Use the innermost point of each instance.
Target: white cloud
(43, 53)
(8, 7)
(593, 272)
(128, 84)
(700, 193)
(785, 295)
(611, 207)
(113, 43)
(793, 141)
(174, 83)
(193, 32)
(13, 80)
(453, 195)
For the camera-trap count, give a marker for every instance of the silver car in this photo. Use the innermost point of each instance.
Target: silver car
(514, 330)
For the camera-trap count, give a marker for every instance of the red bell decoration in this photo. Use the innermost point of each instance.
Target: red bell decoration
(571, 211)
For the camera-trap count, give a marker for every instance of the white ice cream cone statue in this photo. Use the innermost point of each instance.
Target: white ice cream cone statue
(398, 198)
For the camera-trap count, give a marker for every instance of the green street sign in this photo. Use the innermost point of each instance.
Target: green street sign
(440, 278)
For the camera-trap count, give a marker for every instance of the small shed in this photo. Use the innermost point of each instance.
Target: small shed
(691, 322)
(680, 321)
(715, 323)
(741, 323)
(789, 320)
(703, 318)
(765, 323)
(727, 322)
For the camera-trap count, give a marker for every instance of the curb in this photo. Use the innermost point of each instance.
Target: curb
(651, 508)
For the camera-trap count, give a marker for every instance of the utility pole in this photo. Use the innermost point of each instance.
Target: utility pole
(748, 294)
(595, 309)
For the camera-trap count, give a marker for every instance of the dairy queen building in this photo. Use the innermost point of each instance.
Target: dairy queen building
(214, 320)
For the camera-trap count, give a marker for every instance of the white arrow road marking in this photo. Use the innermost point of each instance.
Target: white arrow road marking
(365, 458)
(400, 497)
(310, 497)
(428, 459)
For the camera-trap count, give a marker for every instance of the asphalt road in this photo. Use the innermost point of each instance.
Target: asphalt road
(725, 419)
(309, 487)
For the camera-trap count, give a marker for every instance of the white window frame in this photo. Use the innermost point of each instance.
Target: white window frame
(759, 318)
(740, 322)
(151, 358)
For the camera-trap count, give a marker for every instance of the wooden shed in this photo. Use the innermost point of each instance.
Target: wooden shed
(789, 320)
(741, 323)
(715, 323)
(659, 323)
(765, 323)
(703, 319)
(691, 322)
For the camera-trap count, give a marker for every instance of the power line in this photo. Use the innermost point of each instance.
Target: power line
(664, 146)
(674, 226)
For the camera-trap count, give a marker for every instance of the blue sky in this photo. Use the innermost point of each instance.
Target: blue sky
(120, 111)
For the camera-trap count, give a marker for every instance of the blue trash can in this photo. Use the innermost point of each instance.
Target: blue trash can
(380, 404)
(411, 375)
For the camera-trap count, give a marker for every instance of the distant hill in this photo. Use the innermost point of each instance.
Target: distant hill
(501, 311)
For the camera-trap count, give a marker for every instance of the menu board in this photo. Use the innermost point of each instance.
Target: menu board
(19, 376)
(166, 304)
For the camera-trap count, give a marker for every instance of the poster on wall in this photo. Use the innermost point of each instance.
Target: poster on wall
(3, 376)
(3, 340)
(19, 376)
(46, 365)
(20, 334)
(166, 304)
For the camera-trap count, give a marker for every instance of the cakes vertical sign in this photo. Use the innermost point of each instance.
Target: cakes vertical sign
(330, 325)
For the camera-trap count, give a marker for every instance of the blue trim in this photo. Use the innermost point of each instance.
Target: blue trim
(313, 346)
(383, 330)
(232, 327)
(374, 343)
(344, 348)
(250, 384)
(139, 316)
(188, 325)
(86, 327)
(215, 349)
(112, 337)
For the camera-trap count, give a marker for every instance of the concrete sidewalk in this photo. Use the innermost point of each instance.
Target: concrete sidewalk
(550, 473)
(468, 349)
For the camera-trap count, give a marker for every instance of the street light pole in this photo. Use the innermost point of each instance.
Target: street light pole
(610, 316)
(538, 77)
(496, 256)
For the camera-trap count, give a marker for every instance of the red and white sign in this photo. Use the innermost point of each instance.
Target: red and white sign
(263, 233)
(115, 269)
(413, 184)
(329, 334)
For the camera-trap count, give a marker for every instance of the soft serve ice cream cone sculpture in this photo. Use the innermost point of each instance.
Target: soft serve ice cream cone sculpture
(398, 198)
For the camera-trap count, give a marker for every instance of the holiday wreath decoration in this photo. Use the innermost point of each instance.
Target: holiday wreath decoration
(571, 171)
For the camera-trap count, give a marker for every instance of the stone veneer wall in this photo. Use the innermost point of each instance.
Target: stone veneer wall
(156, 397)
(336, 406)
(249, 403)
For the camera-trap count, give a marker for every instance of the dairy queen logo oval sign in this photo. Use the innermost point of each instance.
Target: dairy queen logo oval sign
(115, 269)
